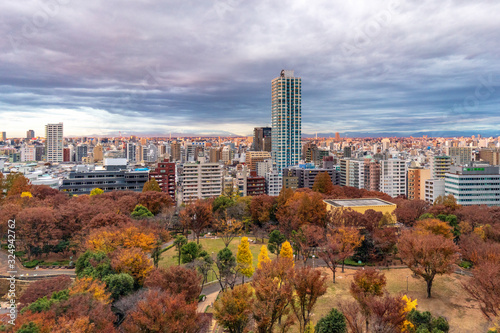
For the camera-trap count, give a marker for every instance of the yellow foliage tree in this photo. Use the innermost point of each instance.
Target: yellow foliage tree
(26, 195)
(287, 252)
(130, 237)
(244, 258)
(409, 305)
(96, 191)
(263, 256)
(95, 288)
(132, 261)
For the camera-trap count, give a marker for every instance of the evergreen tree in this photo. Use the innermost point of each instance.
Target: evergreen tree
(333, 322)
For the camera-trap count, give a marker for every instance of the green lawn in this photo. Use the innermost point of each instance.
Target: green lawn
(169, 258)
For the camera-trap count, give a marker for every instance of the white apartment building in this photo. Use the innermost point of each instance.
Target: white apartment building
(274, 183)
(28, 153)
(201, 181)
(393, 177)
(54, 142)
(433, 189)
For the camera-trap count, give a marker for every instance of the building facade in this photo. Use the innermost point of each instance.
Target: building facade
(164, 174)
(201, 181)
(54, 142)
(286, 119)
(262, 139)
(416, 183)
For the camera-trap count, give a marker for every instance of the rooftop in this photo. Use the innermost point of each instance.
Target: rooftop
(358, 202)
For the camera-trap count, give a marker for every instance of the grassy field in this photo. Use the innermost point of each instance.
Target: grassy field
(448, 298)
(211, 245)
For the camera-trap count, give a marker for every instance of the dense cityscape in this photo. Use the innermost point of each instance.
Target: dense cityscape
(249, 167)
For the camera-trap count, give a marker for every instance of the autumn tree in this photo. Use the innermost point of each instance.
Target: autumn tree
(434, 226)
(273, 295)
(176, 280)
(408, 211)
(132, 261)
(263, 256)
(161, 311)
(323, 183)
(96, 191)
(197, 216)
(261, 209)
(244, 258)
(16, 183)
(94, 287)
(286, 253)
(45, 287)
(308, 286)
(151, 185)
(227, 229)
(427, 255)
(307, 239)
(366, 285)
(233, 309)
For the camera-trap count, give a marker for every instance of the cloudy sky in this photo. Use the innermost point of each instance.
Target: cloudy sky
(155, 67)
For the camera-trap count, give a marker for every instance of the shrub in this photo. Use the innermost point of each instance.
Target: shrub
(333, 322)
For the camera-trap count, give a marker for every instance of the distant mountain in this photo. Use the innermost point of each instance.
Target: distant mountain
(446, 134)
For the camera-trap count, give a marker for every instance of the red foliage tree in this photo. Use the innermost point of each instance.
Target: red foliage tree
(45, 287)
(160, 311)
(197, 216)
(176, 280)
(408, 211)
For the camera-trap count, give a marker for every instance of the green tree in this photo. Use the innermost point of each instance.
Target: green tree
(192, 251)
(226, 264)
(96, 191)
(30, 327)
(179, 242)
(333, 322)
(323, 183)
(119, 284)
(276, 238)
(244, 258)
(93, 264)
(140, 212)
(151, 185)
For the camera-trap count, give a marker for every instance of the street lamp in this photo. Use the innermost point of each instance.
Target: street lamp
(313, 259)
(213, 260)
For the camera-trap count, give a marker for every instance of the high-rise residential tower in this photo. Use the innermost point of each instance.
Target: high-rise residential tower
(262, 138)
(286, 119)
(54, 142)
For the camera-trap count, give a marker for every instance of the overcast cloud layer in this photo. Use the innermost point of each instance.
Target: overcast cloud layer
(155, 67)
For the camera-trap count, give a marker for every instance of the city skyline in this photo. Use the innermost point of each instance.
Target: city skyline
(380, 67)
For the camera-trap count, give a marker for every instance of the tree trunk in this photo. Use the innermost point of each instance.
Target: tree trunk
(429, 286)
(367, 328)
(343, 265)
(333, 276)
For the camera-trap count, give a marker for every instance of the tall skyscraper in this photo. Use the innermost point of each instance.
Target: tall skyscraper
(54, 142)
(262, 139)
(286, 119)
(30, 134)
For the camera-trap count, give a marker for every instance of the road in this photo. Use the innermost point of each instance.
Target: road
(26, 273)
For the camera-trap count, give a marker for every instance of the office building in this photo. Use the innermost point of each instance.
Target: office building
(286, 119)
(492, 156)
(115, 177)
(54, 142)
(3, 136)
(264, 167)
(474, 184)
(372, 175)
(28, 153)
(175, 148)
(254, 157)
(215, 155)
(130, 152)
(262, 139)
(164, 174)
(98, 153)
